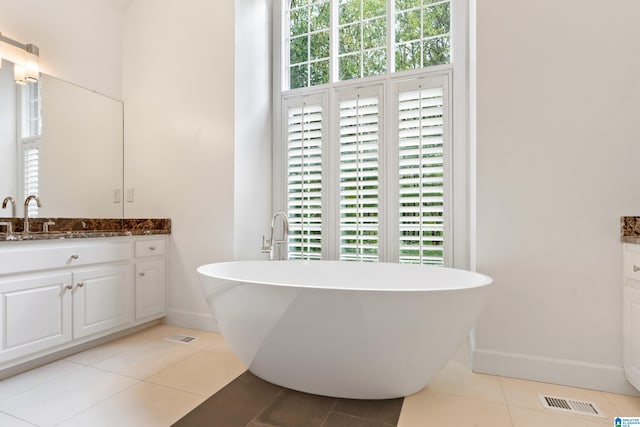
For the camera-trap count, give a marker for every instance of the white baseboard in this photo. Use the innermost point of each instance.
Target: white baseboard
(555, 371)
(192, 320)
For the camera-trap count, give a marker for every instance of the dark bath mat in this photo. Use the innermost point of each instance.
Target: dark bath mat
(249, 401)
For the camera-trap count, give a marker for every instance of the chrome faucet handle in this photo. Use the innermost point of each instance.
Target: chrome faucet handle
(9, 226)
(46, 225)
(266, 245)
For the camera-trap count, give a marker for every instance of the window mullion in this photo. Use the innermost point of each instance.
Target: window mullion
(391, 34)
(333, 42)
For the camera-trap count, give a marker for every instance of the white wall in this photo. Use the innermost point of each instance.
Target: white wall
(253, 100)
(79, 40)
(178, 80)
(558, 151)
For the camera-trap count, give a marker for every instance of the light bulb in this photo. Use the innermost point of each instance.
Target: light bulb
(19, 74)
(32, 70)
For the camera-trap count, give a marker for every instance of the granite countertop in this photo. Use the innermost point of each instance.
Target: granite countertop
(75, 228)
(630, 229)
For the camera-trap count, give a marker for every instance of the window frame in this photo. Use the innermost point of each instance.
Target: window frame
(460, 178)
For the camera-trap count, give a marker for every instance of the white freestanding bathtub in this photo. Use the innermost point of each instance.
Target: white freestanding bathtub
(343, 329)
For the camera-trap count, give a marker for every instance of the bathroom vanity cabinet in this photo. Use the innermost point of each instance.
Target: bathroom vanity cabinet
(55, 294)
(631, 313)
(150, 280)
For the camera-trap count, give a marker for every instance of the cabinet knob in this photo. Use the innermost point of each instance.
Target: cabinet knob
(68, 287)
(80, 285)
(141, 274)
(152, 248)
(636, 268)
(74, 256)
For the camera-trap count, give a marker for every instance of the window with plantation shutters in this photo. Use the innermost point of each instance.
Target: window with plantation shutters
(359, 177)
(421, 174)
(366, 159)
(304, 178)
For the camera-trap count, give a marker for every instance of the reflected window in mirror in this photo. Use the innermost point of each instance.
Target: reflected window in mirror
(30, 139)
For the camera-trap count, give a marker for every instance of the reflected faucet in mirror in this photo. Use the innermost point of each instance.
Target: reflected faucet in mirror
(28, 200)
(11, 200)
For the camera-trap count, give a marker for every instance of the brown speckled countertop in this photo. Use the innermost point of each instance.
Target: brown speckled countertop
(72, 228)
(630, 229)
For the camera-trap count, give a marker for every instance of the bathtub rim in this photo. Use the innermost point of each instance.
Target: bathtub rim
(480, 280)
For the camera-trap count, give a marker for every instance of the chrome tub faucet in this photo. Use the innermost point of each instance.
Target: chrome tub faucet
(272, 244)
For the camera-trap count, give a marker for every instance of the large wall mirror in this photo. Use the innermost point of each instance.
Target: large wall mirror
(63, 142)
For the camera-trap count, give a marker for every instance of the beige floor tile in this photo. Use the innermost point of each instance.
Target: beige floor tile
(65, 396)
(427, 408)
(105, 351)
(143, 405)
(9, 421)
(146, 359)
(458, 380)
(35, 377)
(624, 406)
(525, 394)
(535, 418)
(203, 373)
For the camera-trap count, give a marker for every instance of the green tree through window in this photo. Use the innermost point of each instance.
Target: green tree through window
(420, 31)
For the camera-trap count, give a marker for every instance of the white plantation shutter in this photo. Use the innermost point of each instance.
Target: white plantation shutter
(304, 178)
(359, 134)
(31, 169)
(421, 172)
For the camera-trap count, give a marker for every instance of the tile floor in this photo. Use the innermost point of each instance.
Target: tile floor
(143, 380)
(249, 401)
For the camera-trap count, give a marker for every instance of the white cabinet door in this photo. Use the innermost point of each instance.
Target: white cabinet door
(631, 331)
(35, 313)
(102, 299)
(150, 289)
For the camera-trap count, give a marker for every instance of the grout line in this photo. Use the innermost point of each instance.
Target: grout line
(18, 418)
(97, 403)
(335, 403)
(506, 403)
(255, 417)
(362, 418)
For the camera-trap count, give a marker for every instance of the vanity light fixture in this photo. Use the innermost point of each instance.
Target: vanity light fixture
(31, 67)
(19, 74)
(27, 70)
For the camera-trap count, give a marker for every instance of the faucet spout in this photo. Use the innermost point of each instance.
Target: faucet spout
(28, 200)
(11, 200)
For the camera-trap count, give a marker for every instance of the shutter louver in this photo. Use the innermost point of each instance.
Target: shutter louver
(359, 205)
(421, 176)
(304, 181)
(31, 173)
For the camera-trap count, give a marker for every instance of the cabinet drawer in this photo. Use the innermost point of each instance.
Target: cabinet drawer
(145, 248)
(632, 263)
(30, 256)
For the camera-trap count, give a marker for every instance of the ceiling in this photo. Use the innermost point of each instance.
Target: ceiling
(118, 5)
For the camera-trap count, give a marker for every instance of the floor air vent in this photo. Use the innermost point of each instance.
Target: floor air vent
(571, 405)
(182, 339)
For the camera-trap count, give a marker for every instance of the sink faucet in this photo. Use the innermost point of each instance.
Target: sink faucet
(11, 200)
(26, 211)
(270, 245)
